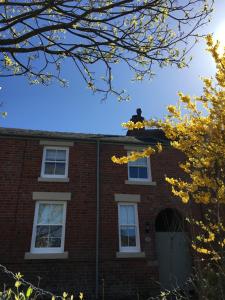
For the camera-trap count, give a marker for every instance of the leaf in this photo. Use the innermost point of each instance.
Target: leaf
(29, 292)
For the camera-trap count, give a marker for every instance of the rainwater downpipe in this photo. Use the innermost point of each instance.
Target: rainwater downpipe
(97, 220)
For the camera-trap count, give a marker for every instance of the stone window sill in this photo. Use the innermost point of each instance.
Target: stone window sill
(139, 182)
(29, 255)
(46, 179)
(130, 254)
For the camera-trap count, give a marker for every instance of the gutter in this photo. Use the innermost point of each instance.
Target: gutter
(97, 219)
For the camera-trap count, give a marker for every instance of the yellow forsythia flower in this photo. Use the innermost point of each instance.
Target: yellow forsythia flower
(81, 296)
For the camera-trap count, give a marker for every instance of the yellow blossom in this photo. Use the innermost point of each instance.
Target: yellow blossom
(159, 147)
(201, 250)
(173, 110)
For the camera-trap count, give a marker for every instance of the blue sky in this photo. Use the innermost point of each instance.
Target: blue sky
(76, 109)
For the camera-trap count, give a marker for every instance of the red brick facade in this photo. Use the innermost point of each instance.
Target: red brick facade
(118, 278)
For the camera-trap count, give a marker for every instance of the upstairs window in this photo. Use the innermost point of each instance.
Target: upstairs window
(55, 162)
(49, 227)
(139, 169)
(129, 240)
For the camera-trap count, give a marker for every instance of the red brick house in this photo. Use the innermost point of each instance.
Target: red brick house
(82, 223)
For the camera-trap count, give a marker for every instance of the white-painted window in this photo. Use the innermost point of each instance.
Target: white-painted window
(55, 162)
(49, 227)
(129, 240)
(139, 169)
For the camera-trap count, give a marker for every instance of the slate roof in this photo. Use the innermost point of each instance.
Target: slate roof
(151, 136)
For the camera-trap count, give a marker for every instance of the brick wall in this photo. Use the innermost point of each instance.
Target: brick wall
(119, 278)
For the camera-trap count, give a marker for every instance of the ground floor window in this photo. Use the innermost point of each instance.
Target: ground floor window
(49, 227)
(129, 240)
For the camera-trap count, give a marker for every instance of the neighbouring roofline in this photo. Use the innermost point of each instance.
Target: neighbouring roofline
(151, 136)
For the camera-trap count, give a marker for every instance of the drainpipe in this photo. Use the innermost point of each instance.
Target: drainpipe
(97, 221)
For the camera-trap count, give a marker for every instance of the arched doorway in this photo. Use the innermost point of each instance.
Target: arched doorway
(172, 249)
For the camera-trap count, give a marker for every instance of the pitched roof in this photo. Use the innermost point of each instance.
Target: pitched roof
(151, 136)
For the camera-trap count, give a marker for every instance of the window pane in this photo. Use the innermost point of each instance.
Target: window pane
(41, 242)
(49, 168)
(127, 214)
(133, 172)
(50, 154)
(43, 214)
(124, 236)
(42, 236)
(48, 236)
(143, 173)
(132, 238)
(138, 172)
(130, 213)
(54, 242)
(61, 155)
(42, 231)
(123, 214)
(50, 213)
(56, 214)
(132, 163)
(139, 162)
(142, 161)
(60, 168)
(55, 231)
(128, 236)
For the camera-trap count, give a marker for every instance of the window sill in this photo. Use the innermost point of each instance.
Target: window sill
(29, 255)
(140, 182)
(47, 179)
(130, 254)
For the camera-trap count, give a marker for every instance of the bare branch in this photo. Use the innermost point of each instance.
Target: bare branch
(41, 34)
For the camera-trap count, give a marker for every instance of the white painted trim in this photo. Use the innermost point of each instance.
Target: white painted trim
(132, 198)
(130, 255)
(43, 175)
(139, 182)
(149, 173)
(56, 143)
(137, 247)
(29, 255)
(33, 249)
(45, 179)
(54, 196)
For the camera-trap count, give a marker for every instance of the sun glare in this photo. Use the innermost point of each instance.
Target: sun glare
(220, 36)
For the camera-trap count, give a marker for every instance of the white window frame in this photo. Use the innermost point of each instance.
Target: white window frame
(48, 249)
(43, 175)
(149, 175)
(137, 235)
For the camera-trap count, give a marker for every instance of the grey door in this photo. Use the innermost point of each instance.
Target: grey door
(172, 250)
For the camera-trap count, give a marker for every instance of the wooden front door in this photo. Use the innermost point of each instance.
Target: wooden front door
(172, 248)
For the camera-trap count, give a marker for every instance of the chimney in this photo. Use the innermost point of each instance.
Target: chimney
(136, 118)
